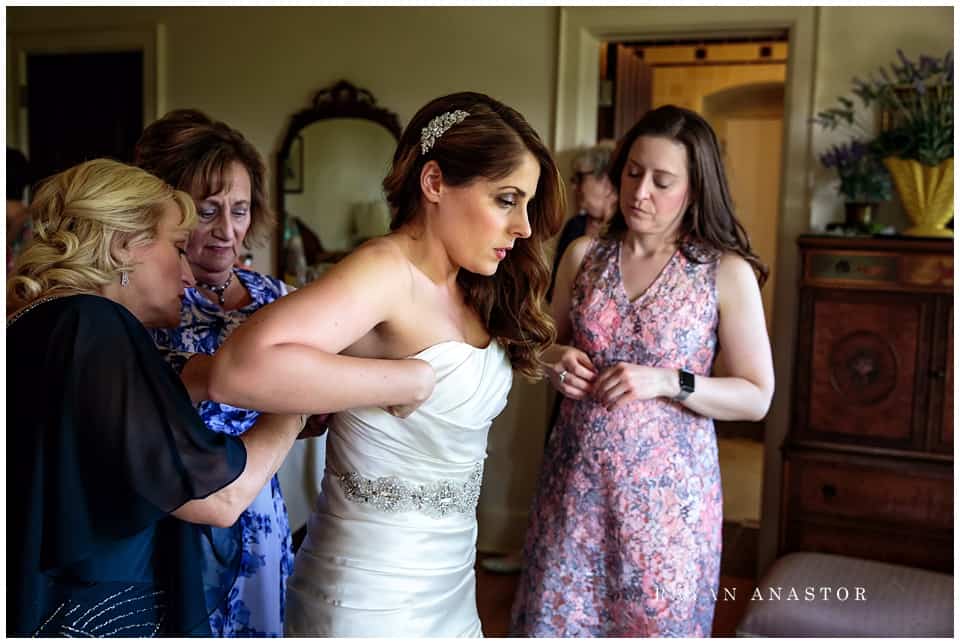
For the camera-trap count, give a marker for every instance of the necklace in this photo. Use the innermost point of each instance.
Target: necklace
(218, 290)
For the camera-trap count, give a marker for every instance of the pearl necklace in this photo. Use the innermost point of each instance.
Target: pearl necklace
(218, 290)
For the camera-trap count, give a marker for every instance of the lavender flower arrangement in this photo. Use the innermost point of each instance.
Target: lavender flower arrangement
(918, 96)
(863, 178)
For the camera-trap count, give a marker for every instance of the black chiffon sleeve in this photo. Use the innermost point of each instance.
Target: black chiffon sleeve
(103, 444)
(141, 449)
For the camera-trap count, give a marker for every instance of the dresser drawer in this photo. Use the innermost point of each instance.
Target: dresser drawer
(850, 266)
(876, 269)
(921, 497)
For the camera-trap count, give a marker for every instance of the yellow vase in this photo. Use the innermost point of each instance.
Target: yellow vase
(926, 193)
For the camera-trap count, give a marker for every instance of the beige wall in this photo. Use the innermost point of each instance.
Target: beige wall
(855, 41)
(253, 67)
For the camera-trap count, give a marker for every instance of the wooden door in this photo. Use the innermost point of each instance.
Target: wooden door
(752, 158)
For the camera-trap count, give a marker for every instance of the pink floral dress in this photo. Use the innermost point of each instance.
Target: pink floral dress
(624, 535)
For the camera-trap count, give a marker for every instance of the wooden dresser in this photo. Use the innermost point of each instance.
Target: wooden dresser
(868, 459)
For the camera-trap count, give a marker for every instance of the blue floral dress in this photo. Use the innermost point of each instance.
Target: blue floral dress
(255, 604)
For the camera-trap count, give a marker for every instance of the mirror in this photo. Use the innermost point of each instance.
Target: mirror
(328, 182)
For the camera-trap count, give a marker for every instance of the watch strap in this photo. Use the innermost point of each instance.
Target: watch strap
(687, 384)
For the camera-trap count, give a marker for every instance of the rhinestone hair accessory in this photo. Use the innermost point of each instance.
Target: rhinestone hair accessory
(437, 126)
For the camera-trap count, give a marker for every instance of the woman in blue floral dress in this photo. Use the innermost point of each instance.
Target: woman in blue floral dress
(225, 175)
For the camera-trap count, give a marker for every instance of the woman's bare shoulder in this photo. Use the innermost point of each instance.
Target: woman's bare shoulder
(578, 250)
(736, 279)
(383, 251)
(733, 266)
(380, 258)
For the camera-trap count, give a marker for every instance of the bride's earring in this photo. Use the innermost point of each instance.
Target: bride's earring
(124, 278)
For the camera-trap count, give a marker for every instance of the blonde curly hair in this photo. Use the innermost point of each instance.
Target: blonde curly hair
(79, 217)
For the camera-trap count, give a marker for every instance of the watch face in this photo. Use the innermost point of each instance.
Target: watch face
(686, 381)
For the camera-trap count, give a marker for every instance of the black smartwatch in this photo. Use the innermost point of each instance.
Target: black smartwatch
(687, 384)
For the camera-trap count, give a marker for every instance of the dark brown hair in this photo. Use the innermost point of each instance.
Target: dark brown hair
(192, 152)
(489, 144)
(709, 226)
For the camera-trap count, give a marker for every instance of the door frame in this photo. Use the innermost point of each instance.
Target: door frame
(581, 32)
(148, 39)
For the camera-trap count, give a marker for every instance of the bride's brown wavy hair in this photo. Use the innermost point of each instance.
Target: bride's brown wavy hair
(489, 144)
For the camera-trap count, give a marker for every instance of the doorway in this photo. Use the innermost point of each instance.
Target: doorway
(81, 106)
(72, 94)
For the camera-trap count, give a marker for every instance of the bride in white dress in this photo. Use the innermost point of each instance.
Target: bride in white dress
(390, 547)
(413, 339)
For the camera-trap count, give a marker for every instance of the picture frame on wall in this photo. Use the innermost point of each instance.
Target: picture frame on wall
(293, 167)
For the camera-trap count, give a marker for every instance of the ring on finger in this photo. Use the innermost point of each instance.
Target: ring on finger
(563, 374)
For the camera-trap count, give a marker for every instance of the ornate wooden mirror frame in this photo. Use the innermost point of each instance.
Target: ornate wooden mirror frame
(341, 100)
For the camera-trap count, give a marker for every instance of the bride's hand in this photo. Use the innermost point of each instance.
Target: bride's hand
(423, 377)
(315, 425)
(573, 374)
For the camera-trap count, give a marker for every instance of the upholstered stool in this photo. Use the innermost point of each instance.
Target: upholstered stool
(807, 594)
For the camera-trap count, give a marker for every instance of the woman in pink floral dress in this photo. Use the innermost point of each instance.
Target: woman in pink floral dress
(624, 535)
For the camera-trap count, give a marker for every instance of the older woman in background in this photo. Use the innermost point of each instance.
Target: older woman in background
(104, 444)
(226, 177)
(594, 196)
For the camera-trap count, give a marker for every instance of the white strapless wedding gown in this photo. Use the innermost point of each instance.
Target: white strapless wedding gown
(391, 544)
